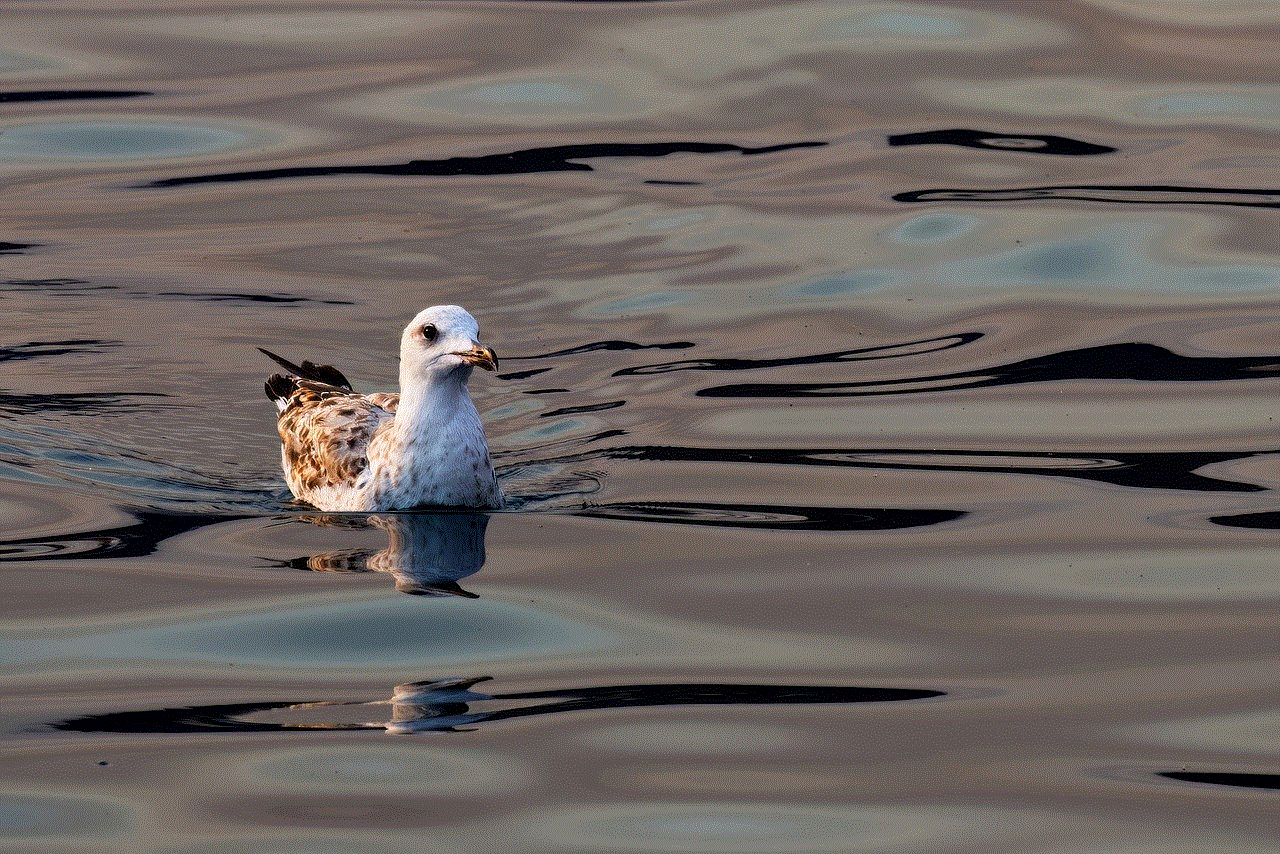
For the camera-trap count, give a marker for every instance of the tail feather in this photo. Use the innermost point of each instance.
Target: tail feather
(326, 374)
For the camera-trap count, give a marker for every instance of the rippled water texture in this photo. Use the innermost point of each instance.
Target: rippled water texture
(886, 412)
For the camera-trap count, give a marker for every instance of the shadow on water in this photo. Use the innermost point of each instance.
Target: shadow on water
(45, 95)
(1136, 361)
(38, 349)
(1131, 361)
(565, 158)
(1024, 143)
(66, 403)
(558, 158)
(139, 539)
(1226, 778)
(1265, 520)
(772, 517)
(80, 286)
(75, 403)
(888, 351)
(449, 705)
(1143, 470)
(1136, 194)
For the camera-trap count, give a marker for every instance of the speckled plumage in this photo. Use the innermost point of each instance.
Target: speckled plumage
(422, 447)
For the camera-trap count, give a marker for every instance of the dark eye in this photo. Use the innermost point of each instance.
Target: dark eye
(430, 332)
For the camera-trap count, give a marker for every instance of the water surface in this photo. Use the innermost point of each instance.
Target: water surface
(886, 413)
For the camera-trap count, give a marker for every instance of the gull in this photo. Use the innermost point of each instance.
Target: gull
(343, 451)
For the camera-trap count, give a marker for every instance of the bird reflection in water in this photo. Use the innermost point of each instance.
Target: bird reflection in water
(451, 705)
(426, 553)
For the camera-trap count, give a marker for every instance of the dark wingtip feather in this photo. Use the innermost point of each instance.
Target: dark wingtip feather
(279, 387)
(281, 361)
(326, 374)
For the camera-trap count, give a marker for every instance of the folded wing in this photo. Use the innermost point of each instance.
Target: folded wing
(325, 427)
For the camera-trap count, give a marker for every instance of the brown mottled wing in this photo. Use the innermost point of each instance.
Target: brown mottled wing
(387, 400)
(325, 432)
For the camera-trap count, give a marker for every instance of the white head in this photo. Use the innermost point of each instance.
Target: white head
(442, 341)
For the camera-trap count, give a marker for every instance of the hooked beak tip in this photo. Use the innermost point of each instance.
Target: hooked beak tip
(481, 356)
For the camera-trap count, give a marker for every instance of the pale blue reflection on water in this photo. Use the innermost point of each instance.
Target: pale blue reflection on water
(1122, 576)
(767, 828)
(381, 631)
(691, 738)
(936, 227)
(902, 23)
(12, 61)
(646, 303)
(840, 285)
(1253, 732)
(420, 769)
(536, 94)
(116, 140)
(1252, 106)
(33, 817)
(1212, 104)
(775, 828)
(531, 98)
(651, 66)
(887, 26)
(1120, 257)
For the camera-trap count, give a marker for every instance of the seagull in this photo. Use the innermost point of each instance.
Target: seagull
(376, 452)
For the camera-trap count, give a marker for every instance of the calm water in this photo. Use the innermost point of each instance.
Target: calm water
(887, 409)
